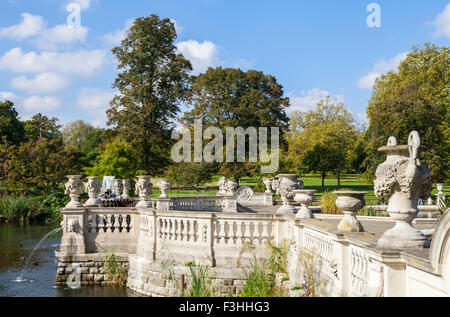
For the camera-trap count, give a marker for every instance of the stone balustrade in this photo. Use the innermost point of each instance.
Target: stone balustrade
(206, 203)
(348, 264)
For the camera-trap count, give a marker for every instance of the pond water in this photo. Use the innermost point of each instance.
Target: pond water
(17, 242)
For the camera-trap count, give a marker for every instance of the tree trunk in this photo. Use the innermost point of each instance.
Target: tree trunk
(323, 179)
(339, 178)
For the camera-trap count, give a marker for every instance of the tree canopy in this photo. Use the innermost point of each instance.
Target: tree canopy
(331, 127)
(413, 98)
(152, 82)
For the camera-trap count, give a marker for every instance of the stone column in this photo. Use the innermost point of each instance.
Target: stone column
(74, 188)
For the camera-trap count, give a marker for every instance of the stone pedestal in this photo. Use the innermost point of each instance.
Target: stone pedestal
(304, 197)
(350, 202)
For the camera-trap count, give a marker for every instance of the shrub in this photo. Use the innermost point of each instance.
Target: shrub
(20, 208)
(328, 203)
(200, 281)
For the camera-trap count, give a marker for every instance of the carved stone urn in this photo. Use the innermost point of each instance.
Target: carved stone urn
(143, 189)
(304, 197)
(118, 187)
(268, 183)
(93, 188)
(440, 196)
(350, 202)
(403, 180)
(74, 188)
(232, 186)
(125, 188)
(164, 185)
(286, 186)
(222, 183)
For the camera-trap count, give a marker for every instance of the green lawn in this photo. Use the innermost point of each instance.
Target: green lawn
(350, 181)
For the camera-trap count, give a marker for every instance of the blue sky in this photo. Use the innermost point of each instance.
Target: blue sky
(314, 48)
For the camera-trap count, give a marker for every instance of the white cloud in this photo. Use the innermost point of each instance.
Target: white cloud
(95, 102)
(442, 23)
(362, 117)
(178, 28)
(44, 82)
(61, 35)
(6, 95)
(84, 4)
(83, 63)
(44, 104)
(201, 55)
(308, 100)
(116, 37)
(29, 26)
(380, 68)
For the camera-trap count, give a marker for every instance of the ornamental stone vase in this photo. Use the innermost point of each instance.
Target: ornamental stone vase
(164, 185)
(126, 188)
(440, 196)
(304, 197)
(222, 183)
(285, 188)
(350, 202)
(74, 188)
(118, 187)
(403, 180)
(268, 183)
(93, 188)
(143, 189)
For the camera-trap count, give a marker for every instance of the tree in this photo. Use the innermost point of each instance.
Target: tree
(330, 126)
(40, 126)
(413, 98)
(10, 125)
(229, 97)
(118, 159)
(152, 82)
(41, 166)
(322, 158)
(84, 138)
(191, 174)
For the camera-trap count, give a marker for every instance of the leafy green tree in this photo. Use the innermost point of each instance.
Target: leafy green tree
(229, 97)
(413, 98)
(329, 125)
(322, 158)
(40, 126)
(84, 138)
(41, 165)
(118, 159)
(152, 82)
(10, 125)
(191, 174)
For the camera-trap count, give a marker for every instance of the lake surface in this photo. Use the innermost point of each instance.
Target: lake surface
(17, 242)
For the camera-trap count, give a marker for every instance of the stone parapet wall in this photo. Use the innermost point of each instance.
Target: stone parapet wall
(90, 269)
(154, 279)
